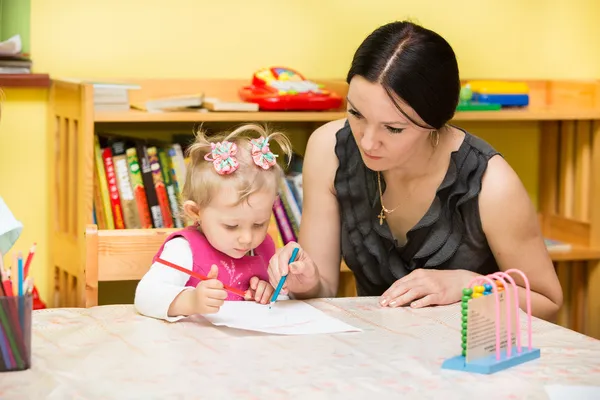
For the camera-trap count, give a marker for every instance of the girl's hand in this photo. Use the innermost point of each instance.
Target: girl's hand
(426, 287)
(259, 291)
(303, 275)
(210, 294)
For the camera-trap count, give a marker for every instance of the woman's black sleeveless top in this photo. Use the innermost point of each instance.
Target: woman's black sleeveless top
(449, 236)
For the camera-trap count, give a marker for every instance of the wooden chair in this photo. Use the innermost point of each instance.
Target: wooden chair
(126, 254)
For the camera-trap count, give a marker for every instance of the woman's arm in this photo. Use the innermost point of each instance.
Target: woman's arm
(511, 226)
(320, 227)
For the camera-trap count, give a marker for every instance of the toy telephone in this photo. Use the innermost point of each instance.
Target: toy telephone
(283, 89)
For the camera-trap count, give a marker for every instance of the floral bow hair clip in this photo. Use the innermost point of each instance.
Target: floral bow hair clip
(261, 154)
(222, 156)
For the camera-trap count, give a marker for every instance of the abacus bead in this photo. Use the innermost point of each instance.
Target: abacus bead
(478, 289)
(465, 306)
(486, 293)
(476, 295)
(464, 318)
(500, 289)
(464, 336)
(467, 292)
(464, 325)
(499, 283)
(464, 353)
(466, 298)
(487, 287)
(464, 346)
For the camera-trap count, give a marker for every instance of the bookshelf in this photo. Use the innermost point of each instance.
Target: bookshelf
(567, 112)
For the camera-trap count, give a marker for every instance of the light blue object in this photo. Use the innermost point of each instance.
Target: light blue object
(283, 278)
(10, 228)
(489, 365)
(505, 100)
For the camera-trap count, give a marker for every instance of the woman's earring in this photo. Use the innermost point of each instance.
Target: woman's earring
(435, 137)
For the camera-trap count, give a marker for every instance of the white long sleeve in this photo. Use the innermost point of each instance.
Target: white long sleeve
(161, 284)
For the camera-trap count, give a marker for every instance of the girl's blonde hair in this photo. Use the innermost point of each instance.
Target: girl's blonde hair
(203, 179)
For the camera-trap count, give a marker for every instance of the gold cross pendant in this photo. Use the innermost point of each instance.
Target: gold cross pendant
(381, 217)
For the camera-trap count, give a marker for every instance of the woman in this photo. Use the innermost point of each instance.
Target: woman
(415, 206)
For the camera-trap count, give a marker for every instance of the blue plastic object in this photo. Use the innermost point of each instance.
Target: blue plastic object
(489, 365)
(505, 100)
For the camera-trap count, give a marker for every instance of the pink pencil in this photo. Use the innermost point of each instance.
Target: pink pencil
(29, 258)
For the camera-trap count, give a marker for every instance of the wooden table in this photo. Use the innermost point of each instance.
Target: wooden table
(110, 352)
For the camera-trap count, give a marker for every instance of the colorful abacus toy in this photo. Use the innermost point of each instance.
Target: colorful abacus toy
(485, 352)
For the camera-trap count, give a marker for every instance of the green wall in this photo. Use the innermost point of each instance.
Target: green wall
(14, 19)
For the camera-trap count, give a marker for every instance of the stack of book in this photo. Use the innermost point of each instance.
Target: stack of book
(12, 59)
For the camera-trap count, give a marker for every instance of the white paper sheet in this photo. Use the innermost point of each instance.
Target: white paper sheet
(289, 317)
(567, 392)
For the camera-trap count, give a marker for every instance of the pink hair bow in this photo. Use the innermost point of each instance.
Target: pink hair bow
(222, 156)
(261, 154)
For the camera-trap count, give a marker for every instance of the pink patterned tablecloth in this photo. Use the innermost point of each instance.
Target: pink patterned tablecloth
(110, 352)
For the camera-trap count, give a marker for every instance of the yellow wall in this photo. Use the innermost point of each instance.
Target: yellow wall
(23, 184)
(199, 38)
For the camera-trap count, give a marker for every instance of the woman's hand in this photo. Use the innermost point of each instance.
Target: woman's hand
(259, 291)
(426, 287)
(303, 275)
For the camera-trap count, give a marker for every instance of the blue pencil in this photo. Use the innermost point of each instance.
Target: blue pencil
(283, 278)
(20, 283)
(21, 278)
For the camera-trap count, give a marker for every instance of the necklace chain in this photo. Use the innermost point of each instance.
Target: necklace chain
(384, 210)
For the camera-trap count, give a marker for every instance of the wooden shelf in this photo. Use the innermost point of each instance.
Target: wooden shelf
(535, 114)
(567, 114)
(530, 114)
(577, 253)
(196, 116)
(24, 80)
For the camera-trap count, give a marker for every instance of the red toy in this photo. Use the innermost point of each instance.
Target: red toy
(283, 89)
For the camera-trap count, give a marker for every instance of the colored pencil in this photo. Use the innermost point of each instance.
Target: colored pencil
(12, 349)
(283, 278)
(20, 277)
(29, 258)
(199, 276)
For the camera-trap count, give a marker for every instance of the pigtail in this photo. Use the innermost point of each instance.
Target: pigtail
(284, 145)
(200, 147)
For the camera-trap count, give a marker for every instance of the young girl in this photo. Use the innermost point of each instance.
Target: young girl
(228, 195)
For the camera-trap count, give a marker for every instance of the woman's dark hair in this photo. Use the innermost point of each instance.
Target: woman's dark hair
(415, 64)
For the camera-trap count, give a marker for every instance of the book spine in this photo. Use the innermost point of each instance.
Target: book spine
(155, 212)
(109, 221)
(294, 210)
(179, 165)
(138, 189)
(113, 190)
(159, 186)
(274, 231)
(287, 234)
(165, 168)
(130, 214)
(99, 216)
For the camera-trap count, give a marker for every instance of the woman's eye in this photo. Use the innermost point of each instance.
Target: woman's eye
(354, 113)
(391, 129)
(230, 227)
(259, 225)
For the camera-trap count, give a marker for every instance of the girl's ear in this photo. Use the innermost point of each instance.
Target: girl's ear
(192, 210)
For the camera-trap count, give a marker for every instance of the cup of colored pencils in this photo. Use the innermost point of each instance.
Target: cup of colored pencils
(16, 308)
(15, 332)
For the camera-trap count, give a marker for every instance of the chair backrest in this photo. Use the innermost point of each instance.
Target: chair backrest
(118, 255)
